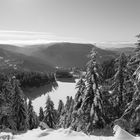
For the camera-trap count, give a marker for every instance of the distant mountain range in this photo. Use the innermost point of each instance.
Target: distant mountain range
(45, 57)
(116, 45)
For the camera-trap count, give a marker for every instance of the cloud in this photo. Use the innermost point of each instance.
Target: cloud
(24, 35)
(28, 38)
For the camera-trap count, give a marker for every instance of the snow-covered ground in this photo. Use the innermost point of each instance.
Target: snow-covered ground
(64, 89)
(68, 134)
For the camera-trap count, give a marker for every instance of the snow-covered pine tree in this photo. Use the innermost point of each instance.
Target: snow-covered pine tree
(19, 108)
(132, 113)
(91, 107)
(119, 82)
(49, 113)
(76, 116)
(67, 105)
(7, 93)
(60, 110)
(60, 107)
(79, 95)
(41, 114)
(32, 117)
(135, 59)
(69, 112)
(66, 113)
(63, 116)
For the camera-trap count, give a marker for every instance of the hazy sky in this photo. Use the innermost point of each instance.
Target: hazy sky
(70, 20)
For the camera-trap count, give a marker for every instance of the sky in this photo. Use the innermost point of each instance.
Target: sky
(89, 21)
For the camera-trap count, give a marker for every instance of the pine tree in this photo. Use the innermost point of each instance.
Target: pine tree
(60, 111)
(76, 114)
(135, 59)
(79, 95)
(63, 115)
(67, 105)
(60, 107)
(122, 85)
(66, 114)
(49, 113)
(132, 112)
(19, 108)
(88, 111)
(41, 114)
(119, 80)
(92, 107)
(32, 117)
(69, 119)
(7, 92)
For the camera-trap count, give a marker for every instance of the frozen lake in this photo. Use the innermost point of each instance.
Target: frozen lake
(64, 89)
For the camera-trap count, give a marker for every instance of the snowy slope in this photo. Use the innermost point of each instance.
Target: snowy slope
(68, 134)
(64, 89)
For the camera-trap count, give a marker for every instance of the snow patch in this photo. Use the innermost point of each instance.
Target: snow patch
(6, 136)
(121, 134)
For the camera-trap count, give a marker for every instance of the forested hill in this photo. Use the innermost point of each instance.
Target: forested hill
(45, 57)
(70, 54)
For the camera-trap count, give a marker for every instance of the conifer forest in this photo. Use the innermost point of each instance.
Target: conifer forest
(108, 94)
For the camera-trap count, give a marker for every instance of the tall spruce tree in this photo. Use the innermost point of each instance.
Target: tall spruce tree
(60, 111)
(91, 109)
(32, 117)
(63, 116)
(60, 107)
(79, 95)
(132, 112)
(119, 81)
(49, 113)
(70, 113)
(6, 94)
(76, 114)
(19, 108)
(66, 114)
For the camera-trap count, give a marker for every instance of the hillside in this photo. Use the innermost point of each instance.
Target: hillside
(45, 57)
(69, 54)
(10, 59)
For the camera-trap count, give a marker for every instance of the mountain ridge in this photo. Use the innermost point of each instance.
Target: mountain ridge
(45, 57)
